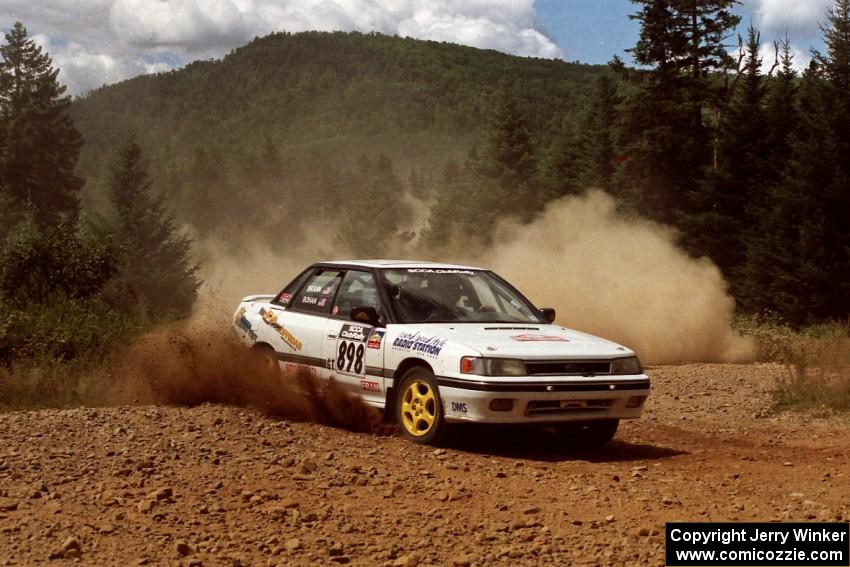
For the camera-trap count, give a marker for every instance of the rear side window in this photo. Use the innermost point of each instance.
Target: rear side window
(285, 297)
(359, 289)
(319, 292)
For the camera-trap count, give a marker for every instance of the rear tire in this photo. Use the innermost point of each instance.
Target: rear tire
(418, 407)
(588, 434)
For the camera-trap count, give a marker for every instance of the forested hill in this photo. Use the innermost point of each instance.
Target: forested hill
(321, 98)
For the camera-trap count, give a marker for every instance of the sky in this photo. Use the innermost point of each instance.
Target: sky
(97, 42)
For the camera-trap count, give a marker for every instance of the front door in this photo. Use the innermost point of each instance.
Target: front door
(355, 350)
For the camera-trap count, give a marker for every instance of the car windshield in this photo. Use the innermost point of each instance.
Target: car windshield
(440, 295)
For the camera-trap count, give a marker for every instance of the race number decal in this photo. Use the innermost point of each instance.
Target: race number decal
(351, 349)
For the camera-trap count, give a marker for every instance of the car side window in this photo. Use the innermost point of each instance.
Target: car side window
(317, 296)
(284, 298)
(359, 289)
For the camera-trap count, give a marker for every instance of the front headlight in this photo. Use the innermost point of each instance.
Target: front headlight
(629, 365)
(492, 366)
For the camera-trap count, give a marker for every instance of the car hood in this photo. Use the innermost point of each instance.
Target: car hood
(522, 341)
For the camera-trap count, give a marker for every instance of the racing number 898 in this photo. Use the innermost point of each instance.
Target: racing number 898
(350, 354)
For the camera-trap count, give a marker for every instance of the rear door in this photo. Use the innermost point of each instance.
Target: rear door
(296, 330)
(355, 350)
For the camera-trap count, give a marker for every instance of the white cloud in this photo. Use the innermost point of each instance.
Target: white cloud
(800, 58)
(800, 18)
(102, 41)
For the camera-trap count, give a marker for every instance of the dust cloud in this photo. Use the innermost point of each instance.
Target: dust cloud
(190, 364)
(621, 278)
(608, 274)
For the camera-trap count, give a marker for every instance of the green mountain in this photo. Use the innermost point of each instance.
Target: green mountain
(274, 116)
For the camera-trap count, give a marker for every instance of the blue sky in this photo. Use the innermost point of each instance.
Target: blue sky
(97, 42)
(592, 31)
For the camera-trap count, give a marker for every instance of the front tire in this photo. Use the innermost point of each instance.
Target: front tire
(588, 434)
(418, 407)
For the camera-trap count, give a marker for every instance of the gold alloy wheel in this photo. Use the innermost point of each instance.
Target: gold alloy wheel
(418, 408)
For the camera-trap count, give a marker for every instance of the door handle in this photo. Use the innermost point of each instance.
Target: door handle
(331, 335)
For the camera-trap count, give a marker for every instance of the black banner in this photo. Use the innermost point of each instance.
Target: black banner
(758, 544)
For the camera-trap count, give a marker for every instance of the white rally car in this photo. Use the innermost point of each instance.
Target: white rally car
(433, 344)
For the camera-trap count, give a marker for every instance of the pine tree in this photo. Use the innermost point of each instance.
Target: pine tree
(770, 237)
(597, 137)
(781, 108)
(373, 211)
(41, 144)
(722, 210)
(155, 259)
(559, 166)
(668, 141)
(509, 163)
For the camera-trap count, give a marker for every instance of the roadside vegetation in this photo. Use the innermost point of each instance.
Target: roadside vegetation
(816, 361)
(72, 285)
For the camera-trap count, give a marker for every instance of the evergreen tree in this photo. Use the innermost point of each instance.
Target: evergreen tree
(771, 236)
(440, 229)
(559, 167)
(781, 109)
(723, 208)
(155, 259)
(373, 211)
(668, 142)
(509, 163)
(597, 136)
(40, 143)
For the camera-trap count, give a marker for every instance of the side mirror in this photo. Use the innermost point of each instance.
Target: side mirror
(548, 314)
(366, 315)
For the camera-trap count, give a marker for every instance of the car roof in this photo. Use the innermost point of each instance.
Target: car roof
(398, 264)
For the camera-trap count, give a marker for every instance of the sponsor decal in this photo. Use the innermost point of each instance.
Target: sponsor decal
(370, 386)
(309, 300)
(270, 318)
(375, 339)
(458, 407)
(313, 289)
(327, 290)
(243, 323)
(531, 338)
(414, 342)
(335, 310)
(322, 302)
(362, 316)
(354, 332)
(285, 297)
(439, 271)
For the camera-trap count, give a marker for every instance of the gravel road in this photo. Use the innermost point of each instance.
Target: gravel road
(223, 485)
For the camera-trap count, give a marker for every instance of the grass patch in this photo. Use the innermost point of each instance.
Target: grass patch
(816, 361)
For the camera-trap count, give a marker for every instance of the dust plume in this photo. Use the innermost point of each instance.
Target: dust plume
(621, 278)
(617, 276)
(191, 364)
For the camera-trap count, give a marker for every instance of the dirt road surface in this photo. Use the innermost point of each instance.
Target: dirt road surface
(218, 485)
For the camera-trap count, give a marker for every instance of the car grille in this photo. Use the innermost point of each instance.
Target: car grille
(562, 407)
(568, 367)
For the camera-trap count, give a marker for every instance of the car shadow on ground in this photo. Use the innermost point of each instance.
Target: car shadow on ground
(540, 444)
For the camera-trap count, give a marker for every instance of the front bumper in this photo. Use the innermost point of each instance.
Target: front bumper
(551, 401)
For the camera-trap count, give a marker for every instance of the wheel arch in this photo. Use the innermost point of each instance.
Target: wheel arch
(402, 369)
